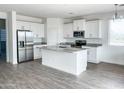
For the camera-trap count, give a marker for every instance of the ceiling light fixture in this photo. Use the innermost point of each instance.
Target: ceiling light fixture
(116, 16)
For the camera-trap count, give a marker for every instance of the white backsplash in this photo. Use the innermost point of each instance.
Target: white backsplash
(94, 40)
(39, 39)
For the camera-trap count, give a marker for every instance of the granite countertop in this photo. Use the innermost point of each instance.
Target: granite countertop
(87, 45)
(40, 43)
(92, 45)
(59, 49)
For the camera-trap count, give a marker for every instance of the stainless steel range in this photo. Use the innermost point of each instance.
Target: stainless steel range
(24, 45)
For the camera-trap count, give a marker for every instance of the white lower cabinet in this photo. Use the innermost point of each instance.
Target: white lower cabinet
(93, 54)
(37, 51)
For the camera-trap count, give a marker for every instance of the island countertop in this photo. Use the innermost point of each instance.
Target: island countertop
(59, 49)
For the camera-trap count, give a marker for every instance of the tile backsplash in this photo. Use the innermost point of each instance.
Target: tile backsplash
(89, 40)
(39, 40)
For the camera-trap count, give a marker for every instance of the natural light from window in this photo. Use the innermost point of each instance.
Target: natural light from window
(116, 33)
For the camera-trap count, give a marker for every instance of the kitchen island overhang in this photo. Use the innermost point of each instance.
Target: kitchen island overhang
(70, 60)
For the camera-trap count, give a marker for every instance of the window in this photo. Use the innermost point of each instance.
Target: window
(116, 35)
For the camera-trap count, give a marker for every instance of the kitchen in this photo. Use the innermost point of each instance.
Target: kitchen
(77, 32)
(70, 47)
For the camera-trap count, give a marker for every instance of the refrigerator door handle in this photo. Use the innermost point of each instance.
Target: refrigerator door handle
(22, 44)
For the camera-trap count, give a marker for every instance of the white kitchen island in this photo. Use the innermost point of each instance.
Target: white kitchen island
(71, 60)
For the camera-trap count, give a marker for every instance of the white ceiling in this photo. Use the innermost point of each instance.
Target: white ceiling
(58, 10)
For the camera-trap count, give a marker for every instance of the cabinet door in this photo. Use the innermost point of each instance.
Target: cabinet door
(79, 25)
(34, 29)
(37, 53)
(22, 25)
(95, 29)
(37, 29)
(68, 30)
(26, 25)
(75, 25)
(19, 25)
(92, 55)
(88, 30)
(92, 29)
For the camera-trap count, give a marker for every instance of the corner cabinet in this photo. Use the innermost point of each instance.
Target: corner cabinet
(93, 29)
(79, 25)
(68, 30)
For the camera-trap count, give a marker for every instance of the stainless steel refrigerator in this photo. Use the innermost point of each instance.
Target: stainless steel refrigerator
(24, 45)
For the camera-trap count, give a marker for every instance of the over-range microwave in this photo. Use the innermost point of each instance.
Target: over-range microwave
(79, 34)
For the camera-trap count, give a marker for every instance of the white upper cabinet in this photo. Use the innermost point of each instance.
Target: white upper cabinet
(23, 25)
(93, 29)
(37, 29)
(68, 30)
(19, 25)
(79, 25)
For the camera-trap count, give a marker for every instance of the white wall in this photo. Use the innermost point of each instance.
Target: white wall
(110, 54)
(12, 37)
(54, 28)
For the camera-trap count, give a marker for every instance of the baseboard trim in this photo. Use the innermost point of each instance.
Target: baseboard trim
(111, 63)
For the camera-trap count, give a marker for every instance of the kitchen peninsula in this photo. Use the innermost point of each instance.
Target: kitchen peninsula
(70, 60)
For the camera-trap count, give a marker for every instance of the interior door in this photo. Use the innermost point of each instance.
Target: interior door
(21, 46)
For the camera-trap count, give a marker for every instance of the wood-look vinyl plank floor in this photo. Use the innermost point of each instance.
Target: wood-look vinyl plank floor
(34, 75)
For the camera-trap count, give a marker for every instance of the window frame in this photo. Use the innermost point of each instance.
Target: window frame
(109, 37)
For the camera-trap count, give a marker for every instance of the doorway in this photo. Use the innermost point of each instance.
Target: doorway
(2, 40)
